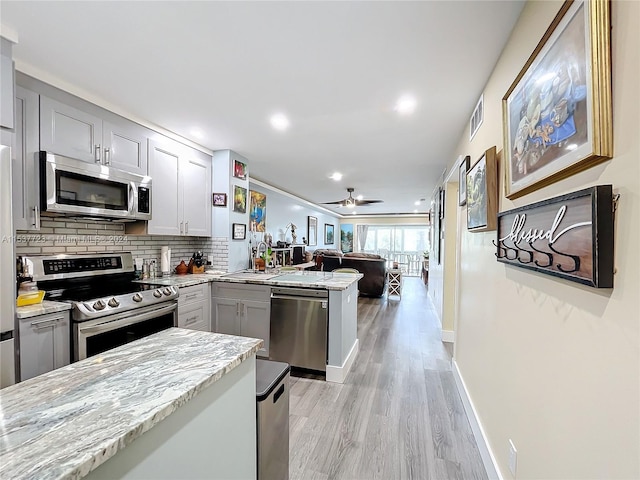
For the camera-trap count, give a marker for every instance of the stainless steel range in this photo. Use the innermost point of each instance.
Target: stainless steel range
(109, 307)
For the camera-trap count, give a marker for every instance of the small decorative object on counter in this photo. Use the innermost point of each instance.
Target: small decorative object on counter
(260, 264)
(181, 269)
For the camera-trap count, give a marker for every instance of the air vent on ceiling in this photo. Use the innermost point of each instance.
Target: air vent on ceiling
(476, 118)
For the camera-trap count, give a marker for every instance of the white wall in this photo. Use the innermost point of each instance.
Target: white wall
(550, 364)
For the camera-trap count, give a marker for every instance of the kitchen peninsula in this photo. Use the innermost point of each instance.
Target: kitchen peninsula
(176, 404)
(342, 292)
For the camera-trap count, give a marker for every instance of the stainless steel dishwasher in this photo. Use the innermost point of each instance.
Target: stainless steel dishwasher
(299, 327)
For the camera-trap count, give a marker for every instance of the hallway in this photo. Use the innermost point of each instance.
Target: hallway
(398, 415)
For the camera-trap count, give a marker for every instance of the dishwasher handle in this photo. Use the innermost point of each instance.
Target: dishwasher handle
(295, 297)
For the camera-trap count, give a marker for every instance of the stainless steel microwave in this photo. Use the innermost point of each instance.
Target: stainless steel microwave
(75, 188)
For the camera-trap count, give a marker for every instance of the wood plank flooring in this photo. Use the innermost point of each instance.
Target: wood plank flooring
(398, 415)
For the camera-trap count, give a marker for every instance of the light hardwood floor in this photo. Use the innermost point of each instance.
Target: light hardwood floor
(398, 415)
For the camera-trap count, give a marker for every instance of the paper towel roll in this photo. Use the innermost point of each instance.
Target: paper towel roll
(165, 260)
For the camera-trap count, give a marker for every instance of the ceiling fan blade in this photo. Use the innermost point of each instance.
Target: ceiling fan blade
(367, 202)
(339, 202)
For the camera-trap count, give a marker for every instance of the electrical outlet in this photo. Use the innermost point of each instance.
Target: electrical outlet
(513, 458)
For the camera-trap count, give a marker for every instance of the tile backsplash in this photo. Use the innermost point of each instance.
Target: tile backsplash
(66, 235)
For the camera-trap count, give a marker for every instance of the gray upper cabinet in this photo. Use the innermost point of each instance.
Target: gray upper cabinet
(67, 131)
(181, 199)
(124, 146)
(7, 84)
(88, 135)
(24, 151)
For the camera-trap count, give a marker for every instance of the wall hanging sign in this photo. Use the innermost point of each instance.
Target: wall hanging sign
(557, 114)
(570, 237)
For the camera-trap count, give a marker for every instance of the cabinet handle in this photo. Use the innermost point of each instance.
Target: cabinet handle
(193, 295)
(107, 156)
(190, 320)
(97, 153)
(181, 228)
(36, 217)
(45, 323)
(186, 227)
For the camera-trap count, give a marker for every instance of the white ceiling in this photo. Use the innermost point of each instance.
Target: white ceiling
(334, 68)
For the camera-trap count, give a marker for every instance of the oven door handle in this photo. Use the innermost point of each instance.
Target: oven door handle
(124, 322)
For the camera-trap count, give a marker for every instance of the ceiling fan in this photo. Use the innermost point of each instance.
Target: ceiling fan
(351, 202)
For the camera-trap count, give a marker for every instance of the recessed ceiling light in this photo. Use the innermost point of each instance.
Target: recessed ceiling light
(337, 176)
(415, 211)
(279, 121)
(416, 203)
(353, 213)
(197, 133)
(405, 105)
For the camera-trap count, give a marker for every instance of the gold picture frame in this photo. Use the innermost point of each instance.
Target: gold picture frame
(557, 114)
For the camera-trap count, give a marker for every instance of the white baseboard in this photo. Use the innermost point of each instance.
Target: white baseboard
(338, 374)
(448, 336)
(488, 459)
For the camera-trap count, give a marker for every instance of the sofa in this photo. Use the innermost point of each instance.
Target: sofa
(373, 267)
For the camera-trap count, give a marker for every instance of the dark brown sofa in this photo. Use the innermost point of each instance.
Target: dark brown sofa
(373, 267)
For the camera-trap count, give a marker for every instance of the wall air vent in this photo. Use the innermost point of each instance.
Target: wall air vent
(476, 118)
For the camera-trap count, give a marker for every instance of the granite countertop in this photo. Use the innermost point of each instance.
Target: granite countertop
(300, 279)
(47, 306)
(65, 423)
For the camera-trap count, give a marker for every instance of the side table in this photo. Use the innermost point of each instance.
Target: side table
(394, 282)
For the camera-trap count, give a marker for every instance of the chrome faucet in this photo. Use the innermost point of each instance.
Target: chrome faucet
(259, 249)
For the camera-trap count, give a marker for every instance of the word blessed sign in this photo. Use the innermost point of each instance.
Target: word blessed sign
(569, 236)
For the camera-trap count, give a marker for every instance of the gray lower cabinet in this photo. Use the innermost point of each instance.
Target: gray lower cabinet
(194, 308)
(93, 135)
(24, 156)
(244, 310)
(44, 343)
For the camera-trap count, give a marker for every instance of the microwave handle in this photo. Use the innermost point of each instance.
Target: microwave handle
(97, 153)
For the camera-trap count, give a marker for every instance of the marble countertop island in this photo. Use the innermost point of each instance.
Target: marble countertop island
(67, 422)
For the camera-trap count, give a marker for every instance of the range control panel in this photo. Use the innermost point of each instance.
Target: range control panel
(87, 264)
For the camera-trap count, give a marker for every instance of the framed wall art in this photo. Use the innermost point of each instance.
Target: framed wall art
(219, 199)
(557, 114)
(462, 180)
(239, 199)
(482, 193)
(346, 237)
(328, 234)
(239, 170)
(239, 231)
(257, 211)
(312, 230)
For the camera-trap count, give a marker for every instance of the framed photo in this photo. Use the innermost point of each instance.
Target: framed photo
(328, 234)
(239, 170)
(482, 193)
(557, 114)
(462, 179)
(257, 212)
(239, 231)
(219, 199)
(312, 230)
(239, 199)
